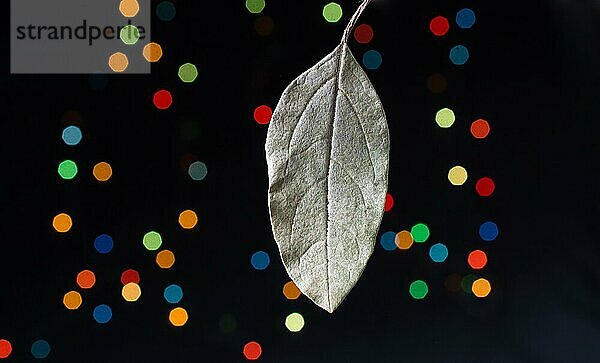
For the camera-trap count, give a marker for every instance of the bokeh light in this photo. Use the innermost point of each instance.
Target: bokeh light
(252, 350)
(131, 292)
(467, 282)
(62, 223)
(178, 317)
(255, 6)
(129, 8)
(197, 170)
(110, 32)
(97, 82)
(459, 55)
(418, 289)
(388, 241)
(152, 52)
(86, 279)
(485, 187)
(130, 275)
(102, 171)
(457, 175)
(40, 349)
(453, 282)
(162, 99)
(227, 324)
(103, 243)
(189, 130)
(67, 169)
(188, 219)
(263, 114)
(437, 83)
(187, 72)
(481, 287)
(439, 26)
(488, 231)
(420, 232)
(438, 252)
(372, 59)
(477, 259)
(165, 259)
(445, 118)
(5, 348)
(187, 160)
(480, 129)
(129, 34)
(404, 240)
(118, 62)
(102, 314)
(166, 11)
(291, 291)
(465, 18)
(363, 33)
(173, 294)
(332, 12)
(260, 260)
(152, 241)
(264, 26)
(389, 202)
(72, 300)
(71, 116)
(72, 135)
(294, 322)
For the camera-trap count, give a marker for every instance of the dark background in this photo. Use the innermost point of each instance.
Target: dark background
(532, 74)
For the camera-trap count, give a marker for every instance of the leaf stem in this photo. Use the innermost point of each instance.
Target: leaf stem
(353, 20)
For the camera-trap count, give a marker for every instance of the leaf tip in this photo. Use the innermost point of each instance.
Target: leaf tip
(328, 306)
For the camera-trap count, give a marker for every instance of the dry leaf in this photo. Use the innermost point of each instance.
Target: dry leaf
(327, 153)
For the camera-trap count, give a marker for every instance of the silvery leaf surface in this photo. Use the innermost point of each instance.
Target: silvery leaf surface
(327, 154)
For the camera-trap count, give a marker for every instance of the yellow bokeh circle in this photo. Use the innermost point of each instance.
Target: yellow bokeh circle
(131, 292)
(457, 175)
(188, 219)
(404, 240)
(165, 259)
(294, 322)
(178, 317)
(291, 291)
(481, 288)
(72, 300)
(118, 62)
(152, 52)
(129, 8)
(102, 171)
(62, 223)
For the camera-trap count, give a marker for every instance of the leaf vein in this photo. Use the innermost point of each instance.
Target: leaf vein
(362, 129)
(296, 213)
(287, 160)
(362, 196)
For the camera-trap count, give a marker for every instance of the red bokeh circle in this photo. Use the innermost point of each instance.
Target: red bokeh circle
(5, 348)
(252, 350)
(162, 99)
(129, 276)
(485, 187)
(363, 33)
(263, 114)
(480, 129)
(439, 26)
(477, 259)
(389, 202)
